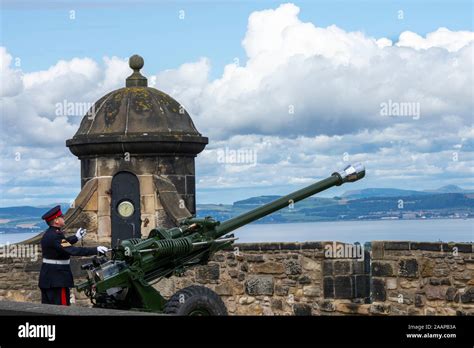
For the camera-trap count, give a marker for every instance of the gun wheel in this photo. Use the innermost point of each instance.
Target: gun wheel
(195, 300)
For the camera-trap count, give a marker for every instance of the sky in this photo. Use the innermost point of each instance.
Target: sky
(302, 88)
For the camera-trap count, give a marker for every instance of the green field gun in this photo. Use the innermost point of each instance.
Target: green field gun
(126, 280)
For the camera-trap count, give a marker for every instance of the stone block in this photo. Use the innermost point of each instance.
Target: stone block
(103, 186)
(420, 300)
(268, 267)
(377, 250)
(342, 267)
(292, 267)
(312, 245)
(425, 246)
(103, 206)
(233, 273)
(104, 229)
(147, 204)
(408, 268)
(362, 286)
(396, 245)
(254, 258)
(352, 308)
(311, 291)
(276, 304)
(327, 268)
(380, 309)
(304, 280)
(207, 273)
(328, 287)
(358, 267)
(382, 269)
(270, 246)
(260, 285)
(310, 265)
(426, 267)
(468, 295)
(327, 306)
(224, 289)
(441, 272)
(290, 246)
(460, 247)
(451, 293)
(343, 287)
(435, 292)
(439, 281)
(391, 283)
(147, 186)
(301, 309)
(281, 290)
(409, 284)
(378, 290)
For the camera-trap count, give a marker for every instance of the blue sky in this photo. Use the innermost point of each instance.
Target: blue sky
(43, 34)
(337, 62)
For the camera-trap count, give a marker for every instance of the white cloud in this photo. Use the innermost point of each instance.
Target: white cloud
(442, 38)
(392, 155)
(11, 82)
(33, 135)
(187, 81)
(334, 80)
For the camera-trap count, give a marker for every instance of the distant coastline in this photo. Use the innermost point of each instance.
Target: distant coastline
(371, 204)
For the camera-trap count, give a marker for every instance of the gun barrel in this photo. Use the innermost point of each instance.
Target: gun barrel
(350, 174)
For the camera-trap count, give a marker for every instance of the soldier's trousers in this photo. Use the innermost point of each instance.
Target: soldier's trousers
(56, 296)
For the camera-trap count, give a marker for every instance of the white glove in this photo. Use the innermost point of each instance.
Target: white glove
(81, 232)
(102, 249)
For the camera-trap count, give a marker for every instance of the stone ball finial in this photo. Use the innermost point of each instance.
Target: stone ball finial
(136, 62)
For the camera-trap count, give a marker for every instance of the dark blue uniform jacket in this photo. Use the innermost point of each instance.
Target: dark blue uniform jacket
(56, 246)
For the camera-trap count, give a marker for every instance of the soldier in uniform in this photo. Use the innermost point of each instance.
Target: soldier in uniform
(56, 278)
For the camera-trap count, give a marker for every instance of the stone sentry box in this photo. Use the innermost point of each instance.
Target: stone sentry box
(141, 135)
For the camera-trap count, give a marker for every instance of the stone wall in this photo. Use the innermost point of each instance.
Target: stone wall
(394, 278)
(281, 279)
(422, 278)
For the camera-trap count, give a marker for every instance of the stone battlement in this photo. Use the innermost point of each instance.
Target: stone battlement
(391, 278)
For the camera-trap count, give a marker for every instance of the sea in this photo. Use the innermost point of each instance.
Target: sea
(429, 230)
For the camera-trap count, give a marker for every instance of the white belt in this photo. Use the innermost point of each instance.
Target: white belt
(56, 262)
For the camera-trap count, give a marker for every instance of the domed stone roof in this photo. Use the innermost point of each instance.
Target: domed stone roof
(136, 119)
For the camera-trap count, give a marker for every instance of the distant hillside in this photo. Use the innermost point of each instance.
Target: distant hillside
(366, 204)
(10, 212)
(381, 192)
(450, 189)
(256, 200)
(424, 206)
(25, 218)
(392, 192)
